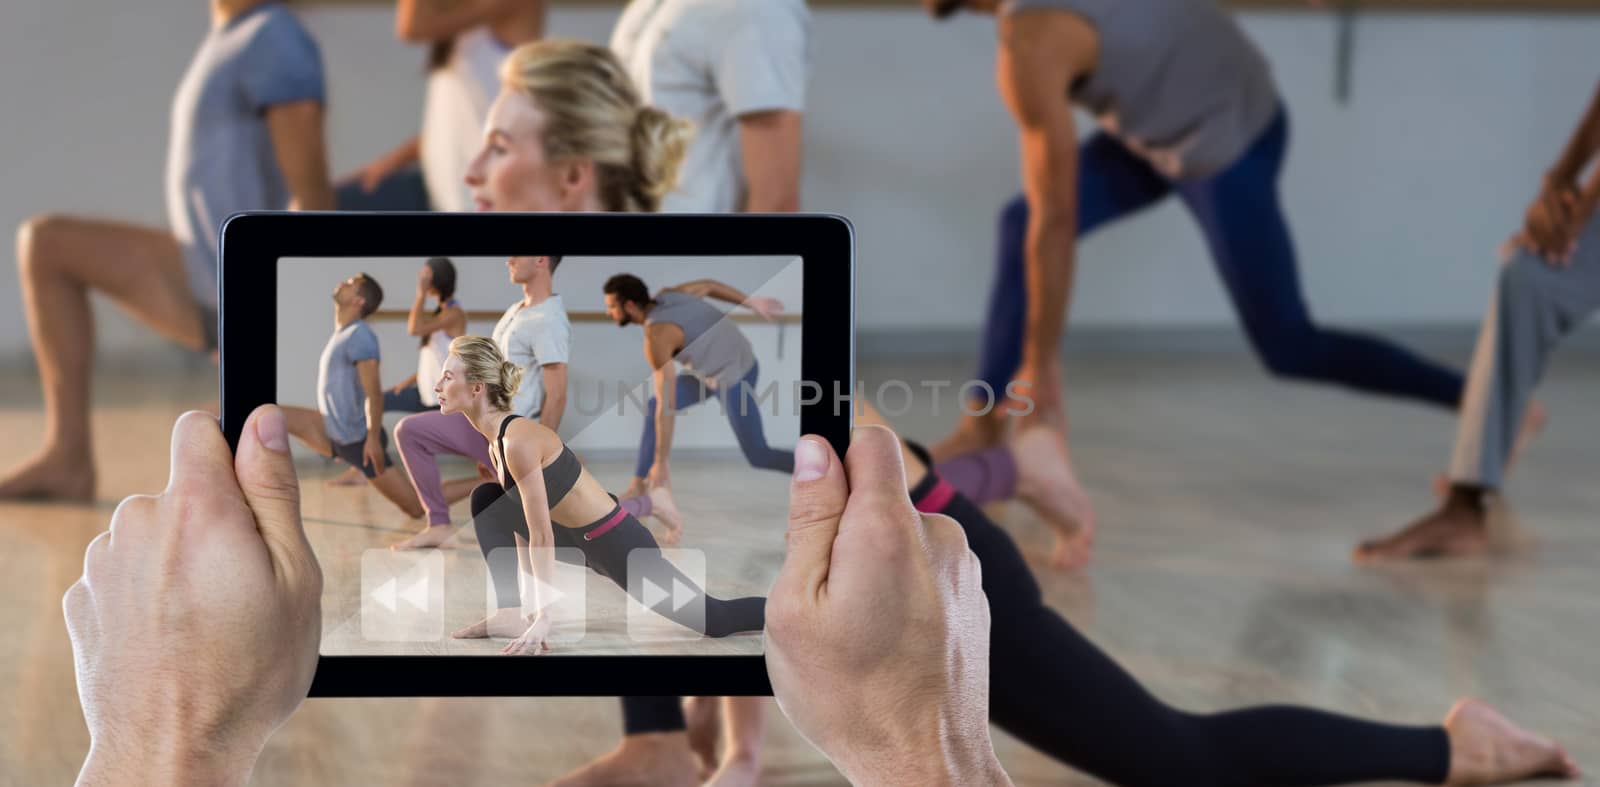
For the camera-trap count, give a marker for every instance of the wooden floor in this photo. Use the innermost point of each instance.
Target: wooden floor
(1228, 506)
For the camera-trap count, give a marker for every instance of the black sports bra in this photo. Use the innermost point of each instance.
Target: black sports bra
(560, 476)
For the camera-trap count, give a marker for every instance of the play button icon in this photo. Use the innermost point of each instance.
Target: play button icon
(561, 595)
(666, 600)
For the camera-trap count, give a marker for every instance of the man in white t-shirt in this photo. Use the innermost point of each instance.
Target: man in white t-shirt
(535, 334)
(737, 69)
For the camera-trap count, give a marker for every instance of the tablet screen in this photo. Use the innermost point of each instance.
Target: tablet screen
(638, 534)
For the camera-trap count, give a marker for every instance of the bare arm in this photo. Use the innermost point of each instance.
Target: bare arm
(524, 463)
(426, 21)
(373, 450)
(660, 341)
(1041, 53)
(771, 147)
(555, 394)
(404, 384)
(710, 288)
(297, 142)
(421, 323)
(1581, 148)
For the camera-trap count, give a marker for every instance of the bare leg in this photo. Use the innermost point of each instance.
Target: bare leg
(393, 484)
(973, 433)
(665, 510)
(350, 477)
(306, 425)
(59, 261)
(703, 718)
(1046, 482)
(456, 490)
(744, 727)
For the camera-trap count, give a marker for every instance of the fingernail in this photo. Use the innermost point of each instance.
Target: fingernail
(271, 431)
(810, 460)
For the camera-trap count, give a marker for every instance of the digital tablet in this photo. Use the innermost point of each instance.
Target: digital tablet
(666, 366)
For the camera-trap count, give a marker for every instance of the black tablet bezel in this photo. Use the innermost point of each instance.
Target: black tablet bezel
(252, 245)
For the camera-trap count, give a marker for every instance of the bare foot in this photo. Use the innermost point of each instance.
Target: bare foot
(665, 510)
(50, 475)
(1457, 528)
(739, 770)
(505, 623)
(430, 537)
(973, 433)
(1045, 481)
(350, 477)
(1486, 748)
(658, 759)
(703, 718)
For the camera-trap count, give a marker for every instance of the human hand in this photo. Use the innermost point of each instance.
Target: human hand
(195, 625)
(768, 308)
(877, 626)
(424, 281)
(1550, 226)
(533, 641)
(372, 451)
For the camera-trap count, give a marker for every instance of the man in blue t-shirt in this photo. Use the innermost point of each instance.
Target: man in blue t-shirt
(348, 421)
(246, 135)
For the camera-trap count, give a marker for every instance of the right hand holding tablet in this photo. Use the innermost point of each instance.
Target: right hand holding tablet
(878, 627)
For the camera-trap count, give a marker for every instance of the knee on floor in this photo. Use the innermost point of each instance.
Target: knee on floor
(483, 496)
(34, 237)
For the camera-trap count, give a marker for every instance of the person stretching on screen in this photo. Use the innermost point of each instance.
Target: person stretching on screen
(246, 135)
(680, 327)
(535, 334)
(195, 704)
(567, 133)
(543, 499)
(436, 280)
(1546, 289)
(348, 421)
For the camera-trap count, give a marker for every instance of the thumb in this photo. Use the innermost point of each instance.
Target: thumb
(267, 478)
(817, 496)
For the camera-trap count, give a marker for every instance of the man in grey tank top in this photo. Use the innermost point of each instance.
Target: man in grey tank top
(1186, 106)
(681, 326)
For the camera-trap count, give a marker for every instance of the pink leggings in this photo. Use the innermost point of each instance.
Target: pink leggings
(425, 436)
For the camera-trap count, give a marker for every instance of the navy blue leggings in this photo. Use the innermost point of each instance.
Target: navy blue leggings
(744, 415)
(1243, 224)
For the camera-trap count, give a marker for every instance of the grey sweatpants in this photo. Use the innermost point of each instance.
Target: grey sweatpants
(1535, 306)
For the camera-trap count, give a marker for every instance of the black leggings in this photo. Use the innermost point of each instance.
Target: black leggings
(1053, 689)
(498, 519)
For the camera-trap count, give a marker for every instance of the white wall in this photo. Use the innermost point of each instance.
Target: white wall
(606, 360)
(1397, 198)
